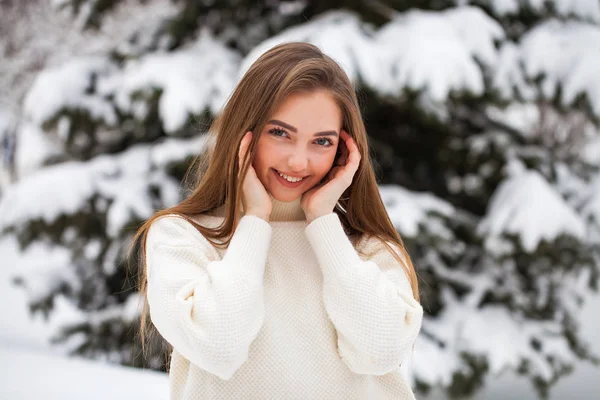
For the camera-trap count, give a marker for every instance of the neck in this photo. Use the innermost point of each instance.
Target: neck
(287, 211)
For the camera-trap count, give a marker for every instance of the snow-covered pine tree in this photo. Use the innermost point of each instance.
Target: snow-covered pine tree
(484, 124)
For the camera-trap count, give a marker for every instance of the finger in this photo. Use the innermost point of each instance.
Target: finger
(315, 188)
(343, 148)
(330, 174)
(244, 143)
(244, 148)
(348, 140)
(353, 152)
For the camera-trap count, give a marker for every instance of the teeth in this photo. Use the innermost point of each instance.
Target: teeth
(289, 178)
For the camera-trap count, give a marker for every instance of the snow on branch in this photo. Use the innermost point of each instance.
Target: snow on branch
(437, 51)
(409, 210)
(191, 80)
(123, 179)
(339, 34)
(526, 205)
(565, 55)
(504, 339)
(583, 9)
(591, 208)
(71, 85)
(188, 81)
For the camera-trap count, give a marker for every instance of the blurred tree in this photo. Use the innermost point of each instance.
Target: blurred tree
(483, 123)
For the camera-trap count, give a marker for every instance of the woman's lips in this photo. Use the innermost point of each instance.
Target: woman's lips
(285, 182)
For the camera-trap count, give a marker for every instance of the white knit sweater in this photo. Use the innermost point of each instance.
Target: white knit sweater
(288, 311)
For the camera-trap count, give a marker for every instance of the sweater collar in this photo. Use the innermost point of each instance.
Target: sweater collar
(282, 211)
(287, 211)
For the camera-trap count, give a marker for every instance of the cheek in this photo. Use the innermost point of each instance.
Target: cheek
(322, 164)
(263, 158)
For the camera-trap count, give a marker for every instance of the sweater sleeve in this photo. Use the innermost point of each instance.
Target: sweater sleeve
(209, 309)
(370, 302)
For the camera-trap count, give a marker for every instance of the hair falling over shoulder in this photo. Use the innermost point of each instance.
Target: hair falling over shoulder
(284, 69)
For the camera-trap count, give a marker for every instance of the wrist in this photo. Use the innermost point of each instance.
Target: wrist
(259, 214)
(310, 217)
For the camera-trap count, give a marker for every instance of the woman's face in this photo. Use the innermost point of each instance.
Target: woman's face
(300, 141)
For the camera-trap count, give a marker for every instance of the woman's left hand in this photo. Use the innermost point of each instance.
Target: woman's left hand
(321, 199)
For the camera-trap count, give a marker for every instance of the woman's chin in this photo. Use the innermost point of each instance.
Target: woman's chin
(286, 197)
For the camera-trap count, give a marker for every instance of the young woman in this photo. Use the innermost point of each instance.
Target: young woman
(281, 275)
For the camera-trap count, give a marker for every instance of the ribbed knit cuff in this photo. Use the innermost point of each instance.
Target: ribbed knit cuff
(247, 251)
(332, 247)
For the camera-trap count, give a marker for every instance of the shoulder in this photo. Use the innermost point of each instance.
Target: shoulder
(174, 230)
(373, 248)
(392, 260)
(370, 244)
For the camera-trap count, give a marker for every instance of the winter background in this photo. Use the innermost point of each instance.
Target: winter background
(484, 119)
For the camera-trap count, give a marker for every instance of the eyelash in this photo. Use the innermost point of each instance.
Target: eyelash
(273, 132)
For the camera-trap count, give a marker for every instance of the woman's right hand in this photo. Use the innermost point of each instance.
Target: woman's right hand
(255, 198)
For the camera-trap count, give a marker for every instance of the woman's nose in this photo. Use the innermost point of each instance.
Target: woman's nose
(297, 161)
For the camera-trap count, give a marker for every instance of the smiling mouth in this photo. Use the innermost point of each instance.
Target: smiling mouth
(295, 180)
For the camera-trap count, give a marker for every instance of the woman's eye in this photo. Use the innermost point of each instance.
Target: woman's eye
(326, 142)
(277, 132)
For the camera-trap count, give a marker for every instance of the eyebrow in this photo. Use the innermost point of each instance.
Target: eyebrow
(295, 130)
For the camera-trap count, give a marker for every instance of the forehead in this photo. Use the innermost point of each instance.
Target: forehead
(310, 112)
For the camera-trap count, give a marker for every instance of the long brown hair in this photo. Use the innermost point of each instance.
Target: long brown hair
(283, 70)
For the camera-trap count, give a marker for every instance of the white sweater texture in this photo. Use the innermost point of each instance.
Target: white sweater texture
(289, 310)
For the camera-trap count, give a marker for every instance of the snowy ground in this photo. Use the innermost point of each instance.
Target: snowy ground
(59, 378)
(28, 374)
